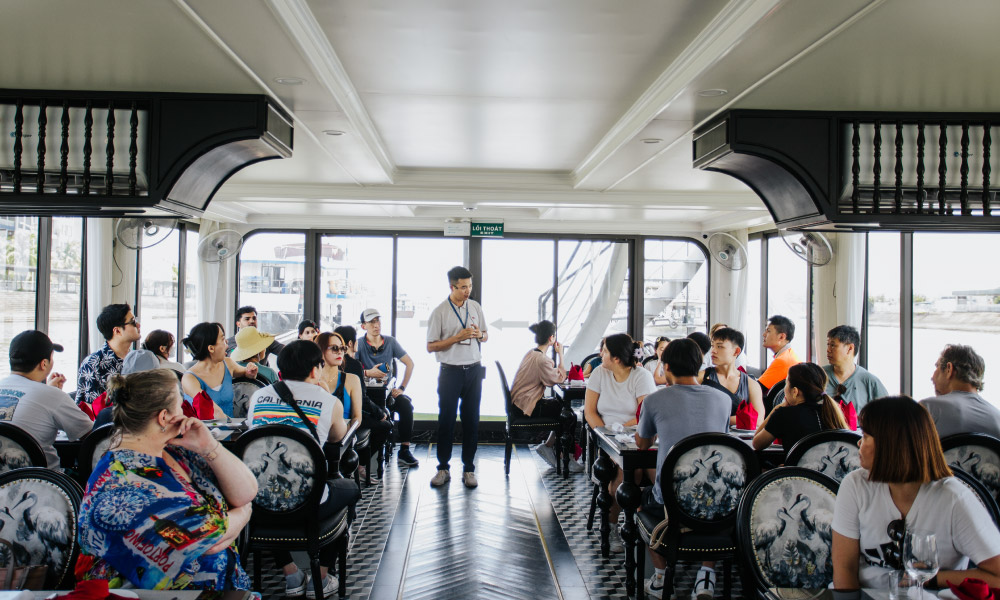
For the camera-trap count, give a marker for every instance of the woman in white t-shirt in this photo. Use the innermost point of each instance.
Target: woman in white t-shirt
(614, 392)
(904, 483)
(655, 367)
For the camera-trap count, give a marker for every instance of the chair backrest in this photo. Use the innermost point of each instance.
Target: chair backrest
(588, 358)
(243, 389)
(650, 359)
(980, 491)
(507, 400)
(92, 448)
(703, 478)
(40, 514)
(290, 468)
(18, 449)
(774, 396)
(832, 452)
(977, 453)
(784, 533)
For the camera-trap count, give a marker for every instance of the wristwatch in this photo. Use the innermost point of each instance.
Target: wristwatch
(402, 388)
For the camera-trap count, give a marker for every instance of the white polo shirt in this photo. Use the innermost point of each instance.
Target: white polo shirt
(444, 323)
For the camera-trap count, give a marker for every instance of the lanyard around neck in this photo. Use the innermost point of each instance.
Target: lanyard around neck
(457, 316)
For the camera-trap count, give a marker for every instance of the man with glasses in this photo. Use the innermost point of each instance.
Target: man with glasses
(455, 332)
(376, 353)
(847, 381)
(121, 329)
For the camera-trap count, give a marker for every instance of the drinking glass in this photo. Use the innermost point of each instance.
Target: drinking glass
(920, 556)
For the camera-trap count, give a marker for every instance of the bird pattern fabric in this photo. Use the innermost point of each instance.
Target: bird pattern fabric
(833, 459)
(284, 469)
(708, 481)
(143, 526)
(980, 462)
(12, 456)
(790, 526)
(37, 519)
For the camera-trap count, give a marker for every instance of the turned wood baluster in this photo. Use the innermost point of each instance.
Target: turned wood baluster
(18, 132)
(986, 169)
(110, 175)
(88, 132)
(42, 123)
(899, 167)
(963, 196)
(856, 167)
(920, 167)
(64, 149)
(942, 166)
(133, 149)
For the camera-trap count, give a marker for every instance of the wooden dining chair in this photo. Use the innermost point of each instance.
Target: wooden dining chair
(521, 424)
(18, 449)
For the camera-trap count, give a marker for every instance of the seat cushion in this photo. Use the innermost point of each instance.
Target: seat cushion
(689, 541)
(532, 423)
(275, 532)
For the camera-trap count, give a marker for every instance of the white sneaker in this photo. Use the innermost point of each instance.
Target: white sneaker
(654, 586)
(469, 479)
(329, 587)
(704, 584)
(299, 590)
(547, 454)
(575, 467)
(615, 538)
(442, 477)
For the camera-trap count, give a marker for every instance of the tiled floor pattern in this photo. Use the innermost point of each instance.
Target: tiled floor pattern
(604, 577)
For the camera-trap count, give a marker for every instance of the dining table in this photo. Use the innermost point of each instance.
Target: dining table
(618, 450)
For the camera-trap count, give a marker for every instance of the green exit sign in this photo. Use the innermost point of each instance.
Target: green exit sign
(486, 230)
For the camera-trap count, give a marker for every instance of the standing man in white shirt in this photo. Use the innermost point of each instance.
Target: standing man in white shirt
(455, 332)
(40, 409)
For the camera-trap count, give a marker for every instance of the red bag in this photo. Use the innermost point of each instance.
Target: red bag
(203, 406)
(100, 403)
(850, 414)
(746, 416)
(189, 410)
(87, 410)
(575, 373)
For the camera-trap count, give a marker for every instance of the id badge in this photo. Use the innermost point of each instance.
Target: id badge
(467, 342)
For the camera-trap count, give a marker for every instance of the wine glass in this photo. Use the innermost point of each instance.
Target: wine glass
(920, 556)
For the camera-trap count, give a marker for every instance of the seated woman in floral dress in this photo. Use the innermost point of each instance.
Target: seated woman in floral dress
(165, 504)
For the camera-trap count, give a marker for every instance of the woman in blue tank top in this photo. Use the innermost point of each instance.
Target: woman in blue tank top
(343, 385)
(214, 371)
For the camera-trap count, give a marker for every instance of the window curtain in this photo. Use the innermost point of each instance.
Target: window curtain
(216, 284)
(728, 292)
(838, 289)
(111, 274)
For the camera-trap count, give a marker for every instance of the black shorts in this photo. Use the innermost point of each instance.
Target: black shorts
(651, 506)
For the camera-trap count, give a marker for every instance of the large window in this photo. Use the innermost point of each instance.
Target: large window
(675, 301)
(883, 309)
(956, 300)
(593, 293)
(787, 291)
(355, 274)
(517, 291)
(272, 276)
(160, 286)
(19, 240)
(422, 274)
(65, 294)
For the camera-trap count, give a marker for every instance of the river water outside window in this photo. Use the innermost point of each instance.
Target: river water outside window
(883, 308)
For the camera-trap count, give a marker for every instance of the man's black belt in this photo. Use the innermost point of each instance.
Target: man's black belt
(469, 366)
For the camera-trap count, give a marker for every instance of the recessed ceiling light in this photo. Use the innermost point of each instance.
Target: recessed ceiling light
(651, 140)
(712, 93)
(289, 80)
(333, 132)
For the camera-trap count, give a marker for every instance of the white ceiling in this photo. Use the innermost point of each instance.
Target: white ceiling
(537, 113)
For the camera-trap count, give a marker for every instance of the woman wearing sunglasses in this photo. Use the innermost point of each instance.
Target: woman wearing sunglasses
(904, 484)
(345, 386)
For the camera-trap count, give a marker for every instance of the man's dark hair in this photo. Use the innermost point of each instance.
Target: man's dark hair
(682, 357)
(112, 315)
(244, 310)
(347, 332)
(458, 273)
(157, 338)
(845, 334)
(307, 323)
(783, 325)
(728, 334)
(701, 339)
(297, 359)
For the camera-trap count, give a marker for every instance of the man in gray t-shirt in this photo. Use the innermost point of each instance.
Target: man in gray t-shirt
(958, 407)
(672, 414)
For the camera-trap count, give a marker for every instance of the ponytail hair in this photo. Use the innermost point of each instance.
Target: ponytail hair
(622, 347)
(811, 379)
(543, 330)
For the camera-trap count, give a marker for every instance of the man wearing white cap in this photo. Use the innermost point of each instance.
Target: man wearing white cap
(376, 353)
(40, 409)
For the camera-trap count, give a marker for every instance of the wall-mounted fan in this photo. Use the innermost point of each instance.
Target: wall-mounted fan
(220, 246)
(140, 232)
(728, 251)
(810, 246)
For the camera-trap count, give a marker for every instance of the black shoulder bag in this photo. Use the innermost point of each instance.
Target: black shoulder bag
(286, 395)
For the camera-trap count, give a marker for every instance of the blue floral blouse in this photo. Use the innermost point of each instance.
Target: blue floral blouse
(142, 526)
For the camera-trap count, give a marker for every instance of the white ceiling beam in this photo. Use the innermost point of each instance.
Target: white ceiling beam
(736, 220)
(726, 30)
(490, 196)
(308, 35)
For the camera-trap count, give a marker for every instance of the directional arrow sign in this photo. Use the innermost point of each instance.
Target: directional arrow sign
(500, 324)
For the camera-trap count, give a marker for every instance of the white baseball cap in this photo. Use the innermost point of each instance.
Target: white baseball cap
(369, 314)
